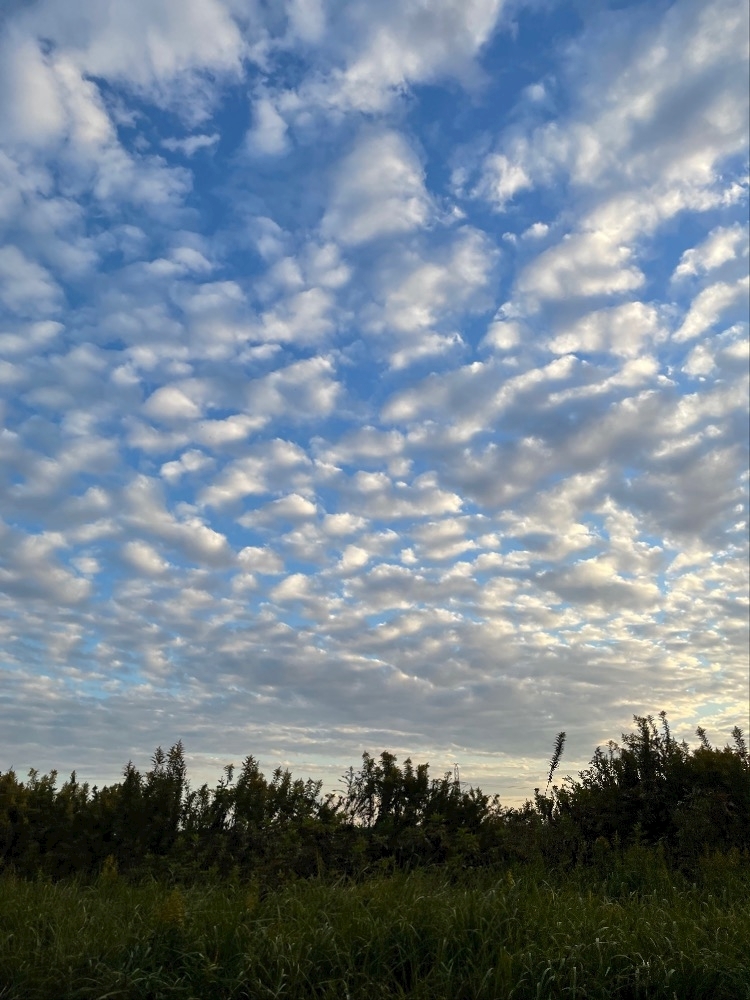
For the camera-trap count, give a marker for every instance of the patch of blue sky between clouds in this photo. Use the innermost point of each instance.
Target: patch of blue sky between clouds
(371, 376)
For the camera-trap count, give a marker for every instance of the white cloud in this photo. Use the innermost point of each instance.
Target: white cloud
(147, 511)
(502, 180)
(75, 126)
(270, 467)
(31, 570)
(536, 232)
(710, 305)
(582, 265)
(32, 108)
(596, 581)
(378, 190)
(429, 345)
(502, 335)
(353, 558)
(476, 394)
(323, 266)
(724, 244)
(86, 565)
(621, 330)
(444, 539)
(218, 433)
(191, 461)
(170, 403)
(663, 109)
(301, 319)
(442, 286)
(268, 135)
(700, 361)
(191, 144)
(292, 588)
(26, 288)
(423, 295)
(303, 390)
(374, 495)
(260, 560)
(291, 508)
(160, 49)
(144, 558)
(190, 260)
(378, 52)
(307, 19)
(338, 525)
(653, 124)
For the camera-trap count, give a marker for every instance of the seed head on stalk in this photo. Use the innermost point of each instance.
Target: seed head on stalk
(559, 744)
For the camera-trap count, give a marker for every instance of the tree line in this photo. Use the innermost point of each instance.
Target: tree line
(648, 789)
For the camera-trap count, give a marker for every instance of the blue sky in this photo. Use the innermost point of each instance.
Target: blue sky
(372, 376)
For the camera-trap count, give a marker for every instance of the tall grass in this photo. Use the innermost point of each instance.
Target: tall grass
(624, 930)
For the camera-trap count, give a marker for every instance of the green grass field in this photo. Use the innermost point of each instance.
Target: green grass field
(424, 935)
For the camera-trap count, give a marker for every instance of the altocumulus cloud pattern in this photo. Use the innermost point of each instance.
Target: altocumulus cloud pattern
(373, 375)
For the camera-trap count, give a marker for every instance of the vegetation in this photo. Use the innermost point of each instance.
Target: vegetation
(526, 932)
(649, 790)
(630, 881)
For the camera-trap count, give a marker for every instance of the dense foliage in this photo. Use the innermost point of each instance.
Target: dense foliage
(649, 790)
(524, 932)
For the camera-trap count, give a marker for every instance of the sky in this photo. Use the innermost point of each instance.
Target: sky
(373, 376)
